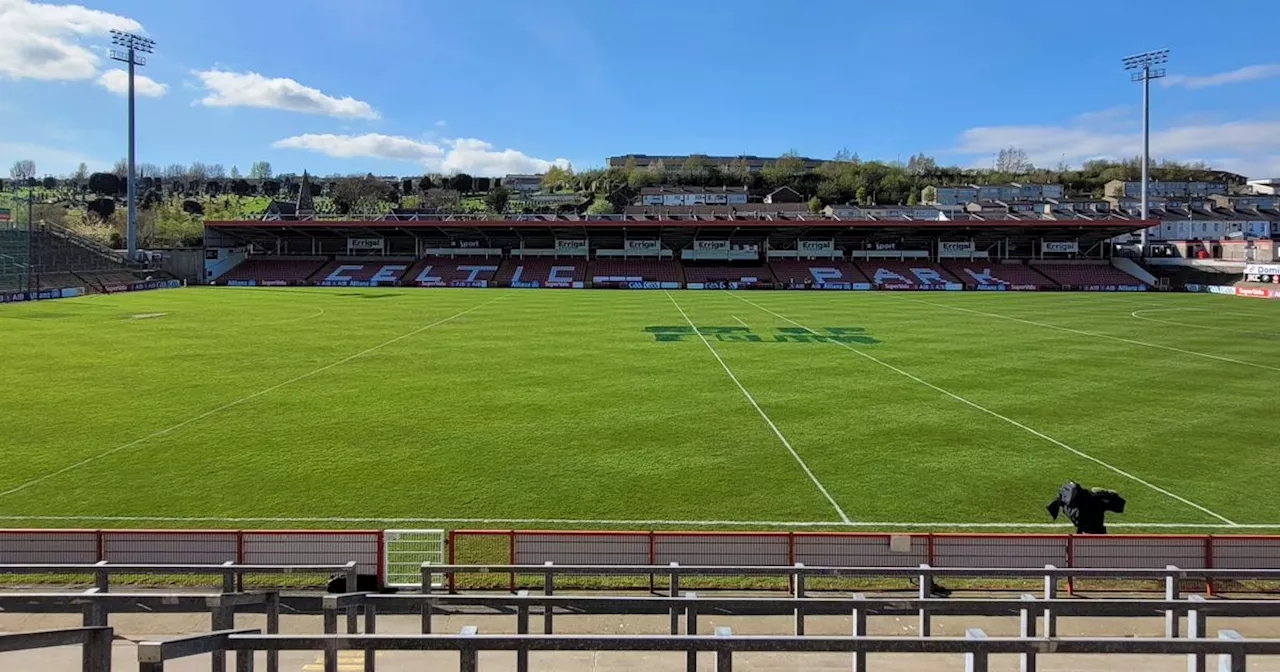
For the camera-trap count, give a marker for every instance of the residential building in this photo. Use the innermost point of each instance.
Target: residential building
(674, 196)
(522, 184)
(676, 162)
(1133, 189)
(1265, 201)
(949, 195)
(904, 212)
(1268, 186)
(784, 195)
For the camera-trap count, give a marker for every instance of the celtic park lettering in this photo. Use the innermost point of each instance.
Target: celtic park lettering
(745, 335)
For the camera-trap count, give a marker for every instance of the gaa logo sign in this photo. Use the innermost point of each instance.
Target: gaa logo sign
(745, 335)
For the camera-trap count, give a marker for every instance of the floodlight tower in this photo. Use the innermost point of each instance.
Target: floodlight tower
(1144, 64)
(130, 46)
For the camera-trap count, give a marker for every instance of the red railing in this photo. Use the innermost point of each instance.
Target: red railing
(863, 549)
(194, 547)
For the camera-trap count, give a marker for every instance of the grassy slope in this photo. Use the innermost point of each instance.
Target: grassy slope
(546, 404)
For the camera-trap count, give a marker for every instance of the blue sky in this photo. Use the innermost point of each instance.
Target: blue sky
(411, 86)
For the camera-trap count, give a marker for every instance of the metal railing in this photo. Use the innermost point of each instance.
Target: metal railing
(232, 573)
(1234, 650)
(97, 608)
(798, 573)
(95, 644)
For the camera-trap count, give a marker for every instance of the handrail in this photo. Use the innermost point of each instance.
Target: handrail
(975, 645)
(231, 572)
(674, 569)
(95, 643)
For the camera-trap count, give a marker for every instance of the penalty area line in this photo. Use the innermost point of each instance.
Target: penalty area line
(619, 521)
(994, 414)
(776, 432)
(237, 402)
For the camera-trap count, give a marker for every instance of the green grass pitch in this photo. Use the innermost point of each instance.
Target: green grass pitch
(554, 409)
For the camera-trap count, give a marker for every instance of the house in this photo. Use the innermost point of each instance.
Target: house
(894, 212)
(1266, 186)
(522, 184)
(676, 196)
(1133, 189)
(949, 195)
(303, 208)
(675, 163)
(1267, 201)
(784, 195)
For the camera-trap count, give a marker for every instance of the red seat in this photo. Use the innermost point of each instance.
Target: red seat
(362, 272)
(737, 274)
(271, 271)
(1098, 276)
(906, 274)
(453, 271)
(794, 272)
(634, 270)
(544, 271)
(989, 275)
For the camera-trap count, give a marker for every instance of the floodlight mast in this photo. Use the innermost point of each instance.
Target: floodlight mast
(1144, 64)
(130, 46)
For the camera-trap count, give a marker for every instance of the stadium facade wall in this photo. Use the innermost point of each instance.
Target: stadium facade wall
(1253, 292)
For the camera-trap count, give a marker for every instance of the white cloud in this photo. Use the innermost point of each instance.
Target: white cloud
(44, 41)
(1246, 74)
(461, 155)
(441, 123)
(250, 89)
(117, 81)
(1254, 146)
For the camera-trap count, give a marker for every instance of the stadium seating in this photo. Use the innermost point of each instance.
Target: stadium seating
(920, 274)
(1088, 276)
(634, 270)
(545, 271)
(792, 272)
(739, 274)
(453, 271)
(363, 272)
(271, 271)
(988, 274)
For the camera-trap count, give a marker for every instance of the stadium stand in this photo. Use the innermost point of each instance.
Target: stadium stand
(545, 271)
(750, 275)
(634, 270)
(1087, 275)
(365, 271)
(989, 273)
(453, 271)
(49, 257)
(795, 272)
(906, 274)
(272, 271)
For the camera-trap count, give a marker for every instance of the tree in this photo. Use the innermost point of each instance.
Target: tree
(106, 184)
(235, 173)
(81, 175)
(424, 184)
(270, 188)
(1013, 161)
(197, 171)
(929, 194)
(23, 169)
(49, 182)
(482, 183)
(241, 187)
(815, 205)
(261, 170)
(460, 182)
(174, 171)
(600, 206)
(496, 200)
(920, 164)
(102, 207)
(192, 207)
(217, 172)
(556, 177)
(120, 168)
(359, 194)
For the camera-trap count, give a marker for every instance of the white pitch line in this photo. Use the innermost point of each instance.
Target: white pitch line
(768, 421)
(320, 311)
(739, 319)
(237, 402)
(1138, 314)
(1097, 335)
(617, 521)
(1007, 419)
